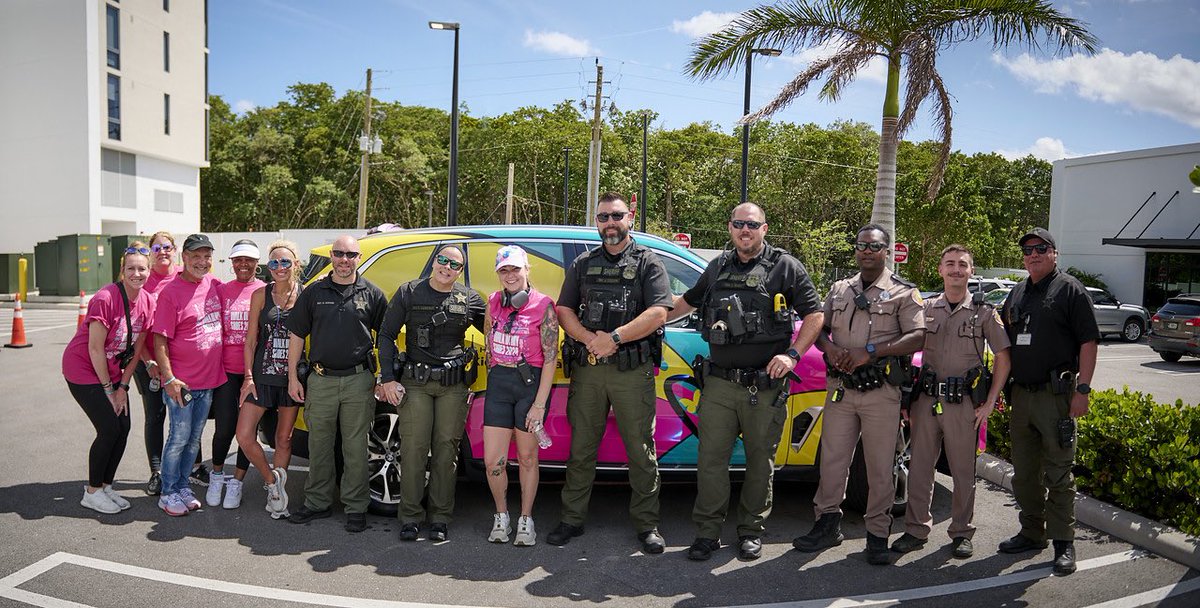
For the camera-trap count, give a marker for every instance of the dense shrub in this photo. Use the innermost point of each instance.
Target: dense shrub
(1140, 455)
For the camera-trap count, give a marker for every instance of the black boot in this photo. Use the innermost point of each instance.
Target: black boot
(877, 550)
(826, 532)
(1064, 557)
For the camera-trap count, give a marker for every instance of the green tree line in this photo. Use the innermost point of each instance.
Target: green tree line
(296, 165)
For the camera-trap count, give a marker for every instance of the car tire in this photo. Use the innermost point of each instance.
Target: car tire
(383, 464)
(1170, 356)
(1133, 330)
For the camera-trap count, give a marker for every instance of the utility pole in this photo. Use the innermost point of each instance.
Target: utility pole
(566, 181)
(365, 170)
(645, 139)
(429, 193)
(508, 200)
(593, 191)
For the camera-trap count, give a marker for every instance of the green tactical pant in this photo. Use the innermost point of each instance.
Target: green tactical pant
(328, 402)
(1042, 481)
(630, 393)
(432, 419)
(725, 412)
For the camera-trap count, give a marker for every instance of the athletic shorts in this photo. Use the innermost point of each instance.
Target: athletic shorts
(508, 398)
(271, 397)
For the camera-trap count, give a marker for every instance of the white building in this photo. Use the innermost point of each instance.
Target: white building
(104, 115)
(1131, 217)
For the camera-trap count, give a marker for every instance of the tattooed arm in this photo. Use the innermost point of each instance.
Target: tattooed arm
(549, 333)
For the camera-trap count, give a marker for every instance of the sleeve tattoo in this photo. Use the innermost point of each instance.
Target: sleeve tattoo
(549, 334)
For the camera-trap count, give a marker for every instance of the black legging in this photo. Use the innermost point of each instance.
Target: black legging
(224, 413)
(111, 432)
(156, 416)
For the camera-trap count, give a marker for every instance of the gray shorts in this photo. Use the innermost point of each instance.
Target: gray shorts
(508, 398)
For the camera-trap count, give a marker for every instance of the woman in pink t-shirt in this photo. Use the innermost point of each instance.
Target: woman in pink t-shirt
(97, 365)
(522, 344)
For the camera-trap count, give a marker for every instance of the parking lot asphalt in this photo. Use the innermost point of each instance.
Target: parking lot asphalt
(56, 553)
(1133, 364)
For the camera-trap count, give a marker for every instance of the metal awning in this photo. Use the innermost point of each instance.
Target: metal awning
(1192, 244)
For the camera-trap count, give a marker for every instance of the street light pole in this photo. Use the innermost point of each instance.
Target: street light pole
(746, 112)
(429, 193)
(645, 131)
(452, 199)
(566, 181)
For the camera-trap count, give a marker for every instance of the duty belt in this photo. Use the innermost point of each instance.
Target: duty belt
(743, 376)
(321, 370)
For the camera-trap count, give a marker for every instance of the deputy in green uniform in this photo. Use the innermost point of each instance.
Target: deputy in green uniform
(338, 314)
(428, 384)
(873, 322)
(749, 298)
(612, 305)
(1052, 325)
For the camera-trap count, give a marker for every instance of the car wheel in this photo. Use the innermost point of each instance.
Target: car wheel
(383, 464)
(1170, 357)
(1132, 332)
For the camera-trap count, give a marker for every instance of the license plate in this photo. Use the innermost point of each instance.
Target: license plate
(1172, 326)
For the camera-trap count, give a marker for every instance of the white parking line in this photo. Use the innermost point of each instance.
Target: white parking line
(1153, 596)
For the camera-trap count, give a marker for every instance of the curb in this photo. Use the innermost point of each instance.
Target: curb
(1161, 539)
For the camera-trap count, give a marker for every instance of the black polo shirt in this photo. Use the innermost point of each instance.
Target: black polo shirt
(1057, 314)
(414, 305)
(339, 320)
(656, 287)
(788, 277)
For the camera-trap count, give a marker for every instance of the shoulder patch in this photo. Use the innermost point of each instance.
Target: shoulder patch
(916, 296)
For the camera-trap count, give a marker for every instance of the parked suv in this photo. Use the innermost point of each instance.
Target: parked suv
(390, 259)
(1175, 328)
(1115, 317)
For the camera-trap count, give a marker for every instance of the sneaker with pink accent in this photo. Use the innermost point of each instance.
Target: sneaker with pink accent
(172, 505)
(189, 499)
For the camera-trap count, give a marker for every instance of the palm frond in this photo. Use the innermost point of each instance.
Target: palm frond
(1027, 23)
(942, 115)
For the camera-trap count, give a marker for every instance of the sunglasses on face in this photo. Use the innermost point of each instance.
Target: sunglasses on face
(139, 250)
(446, 261)
(615, 215)
(875, 246)
(277, 264)
(349, 255)
(163, 248)
(751, 224)
(1041, 248)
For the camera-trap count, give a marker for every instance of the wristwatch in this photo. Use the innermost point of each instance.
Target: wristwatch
(1082, 388)
(794, 354)
(616, 337)
(871, 350)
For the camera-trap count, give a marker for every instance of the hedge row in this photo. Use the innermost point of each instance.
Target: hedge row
(1140, 455)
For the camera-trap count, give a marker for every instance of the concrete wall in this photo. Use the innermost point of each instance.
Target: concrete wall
(1092, 197)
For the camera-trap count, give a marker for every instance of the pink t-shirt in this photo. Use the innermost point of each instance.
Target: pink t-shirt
(155, 282)
(107, 308)
(524, 335)
(235, 320)
(189, 315)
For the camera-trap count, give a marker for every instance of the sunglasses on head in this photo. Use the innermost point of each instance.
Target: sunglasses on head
(1041, 248)
(349, 255)
(615, 215)
(164, 247)
(138, 250)
(874, 246)
(751, 224)
(446, 261)
(277, 264)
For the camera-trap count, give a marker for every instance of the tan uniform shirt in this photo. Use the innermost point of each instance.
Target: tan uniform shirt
(954, 341)
(895, 309)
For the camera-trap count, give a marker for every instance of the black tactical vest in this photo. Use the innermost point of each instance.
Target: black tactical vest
(738, 309)
(611, 292)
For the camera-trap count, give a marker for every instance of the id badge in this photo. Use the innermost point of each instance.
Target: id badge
(1024, 339)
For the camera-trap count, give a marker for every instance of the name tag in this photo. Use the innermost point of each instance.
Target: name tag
(1024, 339)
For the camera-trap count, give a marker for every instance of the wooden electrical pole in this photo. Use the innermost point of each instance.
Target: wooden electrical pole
(365, 171)
(593, 187)
(508, 200)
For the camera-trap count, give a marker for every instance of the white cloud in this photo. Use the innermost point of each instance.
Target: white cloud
(1045, 148)
(875, 70)
(703, 24)
(558, 43)
(242, 106)
(1142, 81)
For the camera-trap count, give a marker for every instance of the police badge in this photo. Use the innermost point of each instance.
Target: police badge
(629, 273)
(752, 281)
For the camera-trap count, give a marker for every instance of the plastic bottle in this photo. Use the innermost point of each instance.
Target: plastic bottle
(543, 437)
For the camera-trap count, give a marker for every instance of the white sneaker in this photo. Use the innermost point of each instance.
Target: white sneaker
(117, 499)
(189, 499)
(500, 528)
(233, 494)
(99, 501)
(526, 535)
(281, 488)
(172, 505)
(216, 483)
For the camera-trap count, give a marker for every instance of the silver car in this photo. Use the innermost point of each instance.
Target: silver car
(1114, 317)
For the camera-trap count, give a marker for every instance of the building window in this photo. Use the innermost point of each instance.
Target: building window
(166, 200)
(114, 107)
(166, 51)
(113, 41)
(118, 179)
(166, 113)
(166, 6)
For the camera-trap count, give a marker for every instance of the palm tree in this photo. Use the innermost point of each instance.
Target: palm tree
(908, 34)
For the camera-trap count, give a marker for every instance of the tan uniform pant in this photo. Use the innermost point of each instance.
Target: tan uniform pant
(875, 416)
(955, 427)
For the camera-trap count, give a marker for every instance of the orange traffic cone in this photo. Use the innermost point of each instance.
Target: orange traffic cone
(18, 328)
(82, 308)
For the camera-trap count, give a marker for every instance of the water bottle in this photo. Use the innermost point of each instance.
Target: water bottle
(543, 437)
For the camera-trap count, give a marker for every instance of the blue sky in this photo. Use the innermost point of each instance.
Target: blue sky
(1141, 91)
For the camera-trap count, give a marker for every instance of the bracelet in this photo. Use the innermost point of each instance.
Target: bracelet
(170, 380)
(109, 390)
(543, 406)
(121, 385)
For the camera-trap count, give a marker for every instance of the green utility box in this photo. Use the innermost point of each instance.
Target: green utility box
(84, 263)
(46, 254)
(10, 272)
(119, 243)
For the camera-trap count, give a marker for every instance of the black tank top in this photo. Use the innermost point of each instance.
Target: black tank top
(271, 352)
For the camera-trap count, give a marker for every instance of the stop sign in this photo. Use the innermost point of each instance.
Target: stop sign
(901, 254)
(683, 239)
